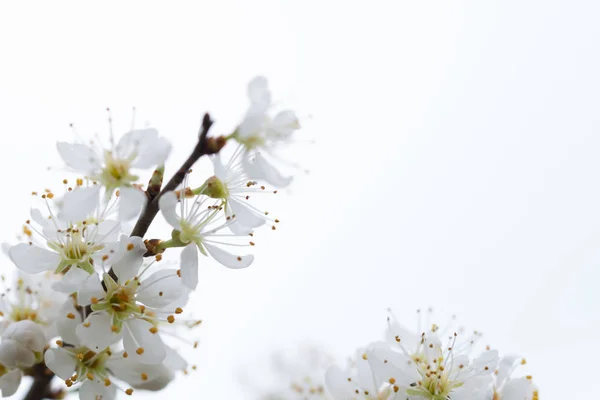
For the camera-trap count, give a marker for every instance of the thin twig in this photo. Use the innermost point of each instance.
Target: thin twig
(203, 147)
(40, 388)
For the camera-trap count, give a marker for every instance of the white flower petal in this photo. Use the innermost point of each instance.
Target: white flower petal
(259, 93)
(486, 363)
(96, 333)
(79, 203)
(505, 367)
(79, 157)
(29, 334)
(139, 335)
(252, 125)
(15, 355)
(219, 169)
(90, 288)
(174, 361)
(61, 362)
(189, 266)
(10, 382)
(131, 202)
(284, 124)
(95, 390)
(161, 289)
(66, 322)
(131, 372)
(338, 385)
(260, 168)
(152, 153)
(36, 215)
(158, 382)
(130, 143)
(518, 389)
(244, 215)
(168, 207)
(387, 364)
(227, 259)
(130, 257)
(106, 231)
(69, 283)
(33, 259)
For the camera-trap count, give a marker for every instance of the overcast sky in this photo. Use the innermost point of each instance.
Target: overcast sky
(452, 150)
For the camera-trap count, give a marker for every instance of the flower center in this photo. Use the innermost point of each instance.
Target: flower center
(189, 232)
(119, 302)
(23, 313)
(116, 172)
(435, 383)
(75, 251)
(90, 365)
(252, 141)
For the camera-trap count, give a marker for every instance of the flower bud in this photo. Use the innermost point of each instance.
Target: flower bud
(215, 188)
(29, 334)
(14, 355)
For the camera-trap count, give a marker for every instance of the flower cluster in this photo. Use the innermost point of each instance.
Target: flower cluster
(434, 363)
(97, 304)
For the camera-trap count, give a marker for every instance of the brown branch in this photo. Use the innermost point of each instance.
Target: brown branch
(203, 147)
(40, 388)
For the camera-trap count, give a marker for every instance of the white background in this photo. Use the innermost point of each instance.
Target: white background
(455, 162)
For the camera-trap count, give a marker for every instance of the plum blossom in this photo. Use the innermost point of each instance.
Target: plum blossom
(231, 184)
(198, 228)
(434, 364)
(260, 135)
(113, 169)
(507, 387)
(32, 298)
(130, 307)
(98, 371)
(22, 344)
(67, 245)
(359, 380)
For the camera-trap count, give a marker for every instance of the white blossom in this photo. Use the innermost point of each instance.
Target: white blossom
(67, 245)
(32, 298)
(434, 364)
(231, 184)
(507, 387)
(198, 227)
(22, 344)
(129, 308)
(98, 371)
(261, 135)
(359, 380)
(114, 168)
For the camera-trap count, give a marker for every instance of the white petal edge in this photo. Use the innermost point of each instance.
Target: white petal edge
(33, 259)
(79, 156)
(227, 259)
(10, 382)
(140, 334)
(189, 266)
(131, 202)
(168, 207)
(61, 362)
(80, 203)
